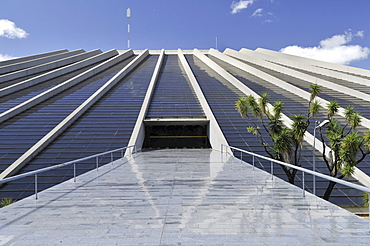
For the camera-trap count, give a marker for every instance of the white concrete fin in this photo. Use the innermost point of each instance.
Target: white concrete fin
(245, 89)
(87, 59)
(31, 57)
(70, 58)
(138, 133)
(38, 61)
(305, 66)
(62, 86)
(63, 125)
(282, 84)
(309, 138)
(215, 135)
(299, 75)
(327, 65)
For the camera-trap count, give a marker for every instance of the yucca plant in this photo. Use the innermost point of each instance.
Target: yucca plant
(366, 199)
(347, 146)
(280, 142)
(6, 201)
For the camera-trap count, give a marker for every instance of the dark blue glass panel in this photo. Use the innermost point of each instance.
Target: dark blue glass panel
(105, 126)
(173, 96)
(221, 96)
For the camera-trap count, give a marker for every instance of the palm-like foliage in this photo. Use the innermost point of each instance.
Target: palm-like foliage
(275, 126)
(242, 107)
(315, 90)
(353, 118)
(6, 201)
(314, 108)
(284, 143)
(299, 127)
(367, 141)
(277, 109)
(366, 199)
(263, 102)
(333, 108)
(348, 148)
(253, 105)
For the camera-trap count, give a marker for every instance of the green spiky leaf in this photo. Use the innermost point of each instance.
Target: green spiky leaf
(333, 107)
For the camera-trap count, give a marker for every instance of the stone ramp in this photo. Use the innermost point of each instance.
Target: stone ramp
(178, 197)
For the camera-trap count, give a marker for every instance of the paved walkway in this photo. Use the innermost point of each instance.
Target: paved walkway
(178, 197)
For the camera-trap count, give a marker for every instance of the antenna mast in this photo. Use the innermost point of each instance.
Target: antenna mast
(128, 14)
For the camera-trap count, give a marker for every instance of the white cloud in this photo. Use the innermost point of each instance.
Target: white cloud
(5, 57)
(268, 17)
(8, 29)
(258, 12)
(334, 49)
(360, 34)
(239, 6)
(271, 18)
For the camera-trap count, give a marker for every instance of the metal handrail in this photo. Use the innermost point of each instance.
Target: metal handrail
(38, 171)
(303, 170)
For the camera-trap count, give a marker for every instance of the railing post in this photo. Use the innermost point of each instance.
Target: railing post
(368, 203)
(241, 156)
(97, 163)
(111, 157)
(253, 162)
(304, 194)
(36, 186)
(272, 171)
(313, 159)
(74, 172)
(121, 153)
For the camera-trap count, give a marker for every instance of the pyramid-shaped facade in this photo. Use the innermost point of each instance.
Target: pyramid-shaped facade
(64, 105)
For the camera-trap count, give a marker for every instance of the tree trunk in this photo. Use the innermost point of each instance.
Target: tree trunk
(289, 175)
(291, 179)
(329, 189)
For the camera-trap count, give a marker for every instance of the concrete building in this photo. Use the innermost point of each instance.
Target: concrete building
(64, 105)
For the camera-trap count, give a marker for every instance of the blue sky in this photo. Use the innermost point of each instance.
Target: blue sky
(336, 30)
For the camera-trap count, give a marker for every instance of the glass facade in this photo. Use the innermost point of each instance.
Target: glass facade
(109, 122)
(18, 97)
(221, 96)
(105, 126)
(173, 96)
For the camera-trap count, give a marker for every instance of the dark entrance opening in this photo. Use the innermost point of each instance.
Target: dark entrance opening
(176, 136)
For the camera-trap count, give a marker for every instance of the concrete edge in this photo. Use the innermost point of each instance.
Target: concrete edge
(31, 57)
(215, 134)
(40, 68)
(278, 82)
(247, 91)
(90, 57)
(326, 65)
(70, 119)
(61, 87)
(304, 66)
(166, 52)
(309, 138)
(296, 74)
(38, 61)
(138, 133)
